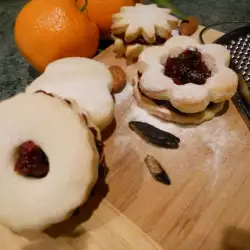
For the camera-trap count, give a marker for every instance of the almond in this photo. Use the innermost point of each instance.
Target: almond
(189, 26)
(119, 78)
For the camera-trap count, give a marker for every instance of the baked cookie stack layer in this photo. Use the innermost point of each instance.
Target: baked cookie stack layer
(136, 27)
(184, 81)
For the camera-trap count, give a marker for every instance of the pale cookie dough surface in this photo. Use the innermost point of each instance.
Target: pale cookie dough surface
(134, 21)
(85, 81)
(187, 98)
(170, 116)
(52, 124)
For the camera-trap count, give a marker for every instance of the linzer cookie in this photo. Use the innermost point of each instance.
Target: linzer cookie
(184, 81)
(37, 163)
(136, 27)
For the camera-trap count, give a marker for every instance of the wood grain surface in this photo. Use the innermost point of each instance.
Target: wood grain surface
(107, 228)
(206, 207)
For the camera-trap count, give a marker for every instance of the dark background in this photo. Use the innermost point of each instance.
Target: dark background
(210, 11)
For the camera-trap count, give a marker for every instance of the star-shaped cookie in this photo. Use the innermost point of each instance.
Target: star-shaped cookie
(137, 27)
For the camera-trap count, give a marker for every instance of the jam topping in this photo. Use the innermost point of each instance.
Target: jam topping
(159, 40)
(31, 161)
(187, 67)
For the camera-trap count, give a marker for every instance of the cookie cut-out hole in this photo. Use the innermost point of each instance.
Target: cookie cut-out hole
(187, 67)
(31, 160)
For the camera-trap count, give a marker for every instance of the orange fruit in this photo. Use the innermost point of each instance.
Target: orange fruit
(101, 11)
(47, 30)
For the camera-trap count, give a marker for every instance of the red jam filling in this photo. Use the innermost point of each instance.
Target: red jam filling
(158, 41)
(187, 67)
(31, 161)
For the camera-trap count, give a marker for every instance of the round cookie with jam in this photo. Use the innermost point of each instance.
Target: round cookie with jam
(49, 161)
(136, 27)
(184, 81)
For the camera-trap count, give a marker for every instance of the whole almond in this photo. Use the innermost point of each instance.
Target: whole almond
(119, 78)
(189, 26)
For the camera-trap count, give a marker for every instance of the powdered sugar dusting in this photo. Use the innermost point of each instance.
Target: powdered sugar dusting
(124, 95)
(175, 32)
(138, 114)
(121, 141)
(216, 138)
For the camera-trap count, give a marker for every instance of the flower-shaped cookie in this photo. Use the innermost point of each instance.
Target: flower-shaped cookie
(136, 27)
(187, 74)
(86, 81)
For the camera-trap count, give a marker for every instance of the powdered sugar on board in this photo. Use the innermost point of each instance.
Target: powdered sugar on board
(124, 95)
(215, 136)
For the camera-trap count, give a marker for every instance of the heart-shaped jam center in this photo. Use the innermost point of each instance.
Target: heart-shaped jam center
(187, 67)
(31, 161)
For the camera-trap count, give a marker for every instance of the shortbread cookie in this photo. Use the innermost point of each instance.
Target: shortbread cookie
(167, 114)
(83, 80)
(49, 161)
(136, 27)
(187, 74)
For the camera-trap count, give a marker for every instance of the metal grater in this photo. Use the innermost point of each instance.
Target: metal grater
(240, 54)
(238, 43)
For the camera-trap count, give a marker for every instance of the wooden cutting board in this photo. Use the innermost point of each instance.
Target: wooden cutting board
(205, 207)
